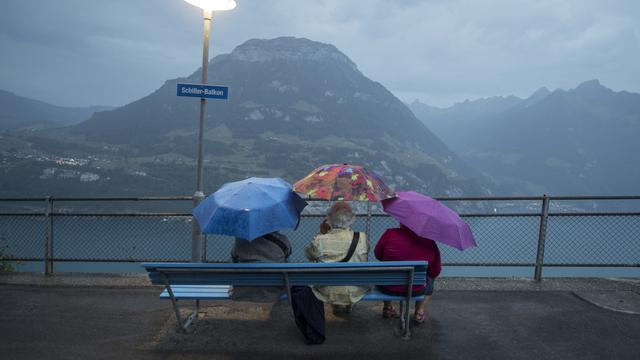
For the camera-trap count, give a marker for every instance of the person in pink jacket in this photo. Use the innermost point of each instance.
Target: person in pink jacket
(402, 244)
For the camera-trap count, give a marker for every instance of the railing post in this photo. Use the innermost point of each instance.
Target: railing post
(197, 238)
(204, 248)
(542, 234)
(48, 240)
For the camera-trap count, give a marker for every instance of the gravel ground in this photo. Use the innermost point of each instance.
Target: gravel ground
(77, 317)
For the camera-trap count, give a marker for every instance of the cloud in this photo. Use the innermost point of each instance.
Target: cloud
(440, 51)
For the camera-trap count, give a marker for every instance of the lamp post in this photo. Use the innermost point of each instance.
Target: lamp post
(208, 7)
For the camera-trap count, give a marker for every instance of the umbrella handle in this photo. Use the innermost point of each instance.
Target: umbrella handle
(297, 223)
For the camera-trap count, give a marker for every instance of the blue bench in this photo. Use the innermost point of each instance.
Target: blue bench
(202, 281)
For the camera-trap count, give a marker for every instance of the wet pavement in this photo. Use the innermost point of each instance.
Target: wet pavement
(119, 317)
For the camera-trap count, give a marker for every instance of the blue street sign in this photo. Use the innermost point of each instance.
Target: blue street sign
(203, 91)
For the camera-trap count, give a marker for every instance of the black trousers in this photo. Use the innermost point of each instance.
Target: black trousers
(309, 314)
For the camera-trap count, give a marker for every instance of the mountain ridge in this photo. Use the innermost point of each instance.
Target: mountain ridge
(18, 111)
(562, 142)
(294, 104)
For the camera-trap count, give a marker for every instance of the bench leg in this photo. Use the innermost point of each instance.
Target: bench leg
(402, 317)
(405, 319)
(407, 322)
(176, 310)
(192, 318)
(194, 315)
(182, 327)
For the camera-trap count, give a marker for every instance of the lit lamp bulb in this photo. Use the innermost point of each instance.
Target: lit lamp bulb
(213, 5)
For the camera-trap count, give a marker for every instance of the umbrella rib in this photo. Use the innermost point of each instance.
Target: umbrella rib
(277, 202)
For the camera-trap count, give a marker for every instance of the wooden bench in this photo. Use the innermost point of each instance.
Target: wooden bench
(202, 281)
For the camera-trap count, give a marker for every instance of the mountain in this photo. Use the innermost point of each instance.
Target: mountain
(581, 141)
(294, 104)
(468, 114)
(21, 112)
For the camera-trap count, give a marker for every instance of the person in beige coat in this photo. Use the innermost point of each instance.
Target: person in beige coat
(332, 245)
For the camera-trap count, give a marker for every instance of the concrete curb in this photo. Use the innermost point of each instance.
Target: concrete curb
(623, 301)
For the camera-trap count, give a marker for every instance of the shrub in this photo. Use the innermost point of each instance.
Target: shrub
(5, 266)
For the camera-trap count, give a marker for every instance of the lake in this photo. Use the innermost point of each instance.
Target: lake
(507, 245)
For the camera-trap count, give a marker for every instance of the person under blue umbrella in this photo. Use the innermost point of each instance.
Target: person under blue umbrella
(268, 248)
(253, 211)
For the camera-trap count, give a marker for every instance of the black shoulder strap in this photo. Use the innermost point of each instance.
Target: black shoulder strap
(352, 248)
(274, 239)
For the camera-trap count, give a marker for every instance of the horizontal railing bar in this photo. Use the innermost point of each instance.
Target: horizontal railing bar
(489, 264)
(462, 215)
(146, 198)
(533, 264)
(24, 199)
(460, 198)
(501, 215)
(443, 264)
(165, 260)
(537, 198)
(452, 198)
(591, 265)
(614, 197)
(123, 214)
(23, 214)
(490, 198)
(10, 258)
(117, 260)
(597, 214)
(176, 214)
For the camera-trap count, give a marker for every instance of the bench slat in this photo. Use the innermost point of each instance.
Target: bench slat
(221, 292)
(277, 279)
(377, 295)
(195, 288)
(182, 265)
(372, 274)
(193, 292)
(197, 296)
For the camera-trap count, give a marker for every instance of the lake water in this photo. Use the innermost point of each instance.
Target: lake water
(510, 242)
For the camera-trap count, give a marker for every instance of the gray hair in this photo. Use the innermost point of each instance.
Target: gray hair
(341, 216)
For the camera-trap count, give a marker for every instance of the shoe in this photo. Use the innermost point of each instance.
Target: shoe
(419, 318)
(390, 313)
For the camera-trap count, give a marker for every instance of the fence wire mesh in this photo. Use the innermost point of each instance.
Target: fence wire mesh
(503, 240)
(22, 236)
(122, 238)
(593, 240)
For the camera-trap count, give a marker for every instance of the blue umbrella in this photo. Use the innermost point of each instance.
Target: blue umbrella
(250, 208)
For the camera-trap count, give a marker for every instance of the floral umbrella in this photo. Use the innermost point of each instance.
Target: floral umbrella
(343, 182)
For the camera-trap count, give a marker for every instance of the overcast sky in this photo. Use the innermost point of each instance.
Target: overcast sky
(89, 52)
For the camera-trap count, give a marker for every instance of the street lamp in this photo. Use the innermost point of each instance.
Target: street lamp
(208, 7)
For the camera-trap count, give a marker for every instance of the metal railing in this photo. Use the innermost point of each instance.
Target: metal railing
(533, 232)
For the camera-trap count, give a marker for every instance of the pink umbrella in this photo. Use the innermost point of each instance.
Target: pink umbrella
(430, 219)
